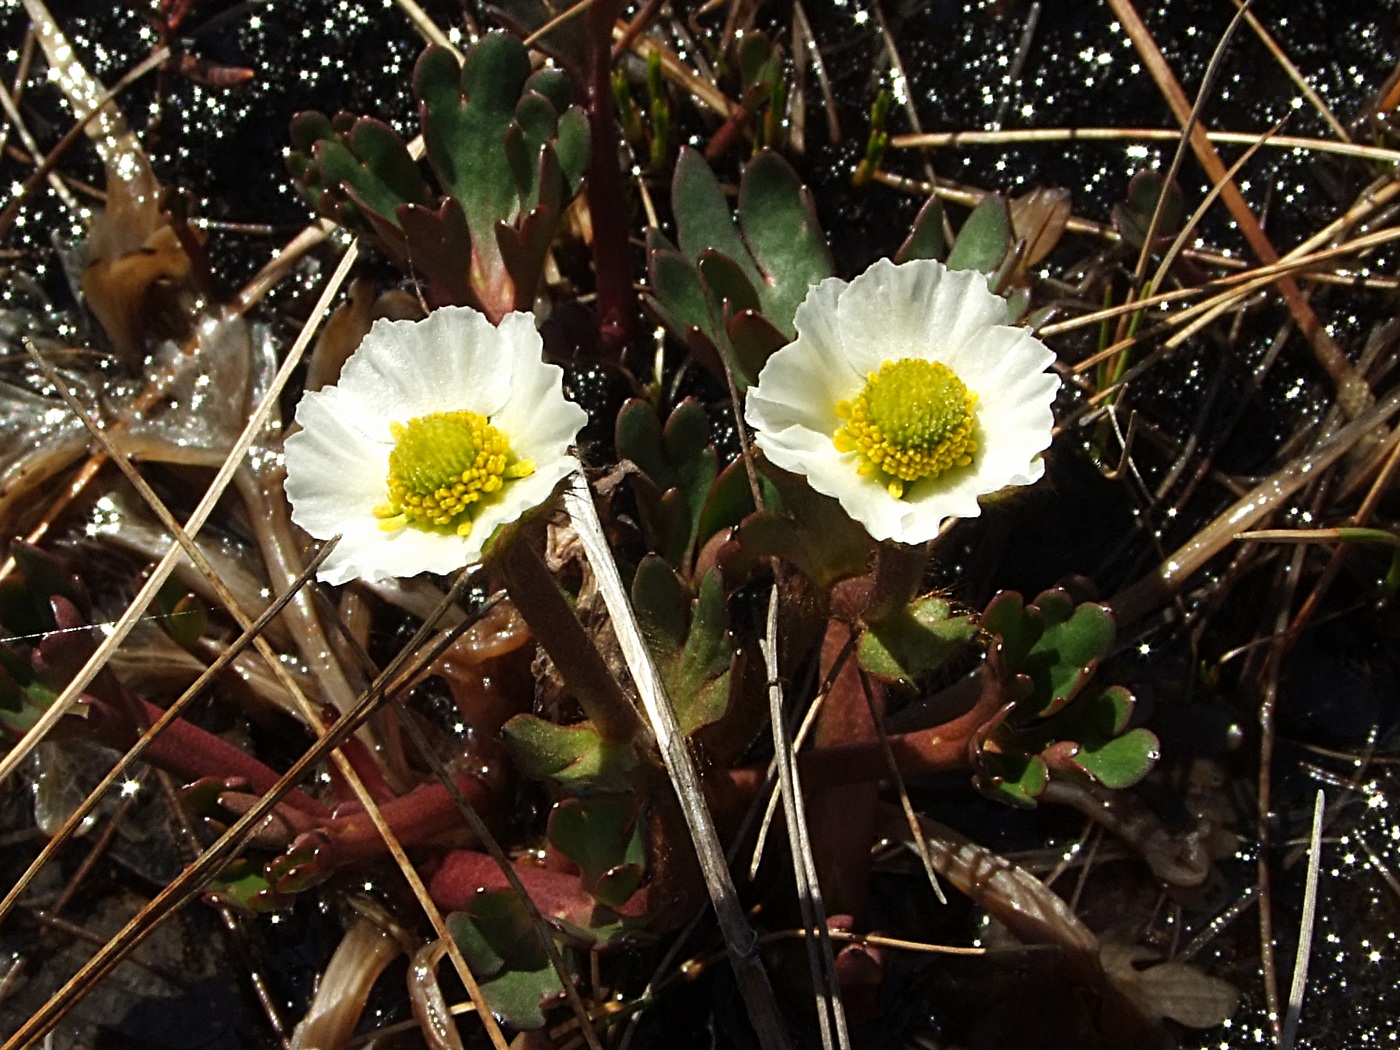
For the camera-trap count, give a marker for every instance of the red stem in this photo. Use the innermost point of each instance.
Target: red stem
(187, 752)
(607, 197)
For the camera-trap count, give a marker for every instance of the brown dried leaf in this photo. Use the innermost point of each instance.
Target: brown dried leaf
(1039, 219)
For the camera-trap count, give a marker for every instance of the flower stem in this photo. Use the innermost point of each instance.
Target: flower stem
(535, 594)
(899, 575)
(607, 199)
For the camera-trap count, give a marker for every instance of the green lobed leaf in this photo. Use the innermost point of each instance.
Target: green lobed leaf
(498, 938)
(703, 220)
(436, 241)
(370, 164)
(1074, 640)
(603, 836)
(574, 756)
(465, 112)
(779, 222)
(916, 640)
(1095, 730)
(1122, 761)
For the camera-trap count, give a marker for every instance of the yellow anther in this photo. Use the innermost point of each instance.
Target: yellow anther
(442, 467)
(914, 419)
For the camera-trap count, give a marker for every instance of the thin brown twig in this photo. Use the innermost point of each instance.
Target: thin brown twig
(1353, 394)
(1026, 136)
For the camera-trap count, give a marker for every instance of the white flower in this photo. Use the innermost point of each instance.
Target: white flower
(906, 396)
(438, 431)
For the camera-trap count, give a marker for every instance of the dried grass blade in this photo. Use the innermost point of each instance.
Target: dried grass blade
(1294, 73)
(831, 1012)
(484, 835)
(187, 884)
(1305, 934)
(174, 711)
(1142, 597)
(739, 938)
(161, 572)
(1353, 393)
(1027, 136)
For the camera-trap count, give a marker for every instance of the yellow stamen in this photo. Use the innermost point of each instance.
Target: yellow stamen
(914, 419)
(444, 467)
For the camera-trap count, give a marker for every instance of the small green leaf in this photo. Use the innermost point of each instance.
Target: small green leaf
(1015, 778)
(698, 681)
(985, 237)
(926, 239)
(727, 502)
(46, 576)
(186, 621)
(1122, 761)
(1133, 217)
(1014, 627)
(638, 437)
(554, 84)
(811, 532)
(244, 885)
(753, 340)
(679, 301)
(603, 837)
(498, 938)
(660, 600)
(727, 283)
(702, 215)
(574, 756)
(755, 60)
(572, 148)
(779, 222)
(914, 641)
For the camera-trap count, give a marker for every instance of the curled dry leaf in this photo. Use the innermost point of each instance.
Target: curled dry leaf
(1039, 218)
(1174, 990)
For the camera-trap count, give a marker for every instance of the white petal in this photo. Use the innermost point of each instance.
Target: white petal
(337, 464)
(335, 472)
(999, 355)
(801, 383)
(917, 309)
(890, 312)
(537, 419)
(453, 359)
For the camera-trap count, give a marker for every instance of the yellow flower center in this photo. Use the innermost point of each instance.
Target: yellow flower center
(444, 467)
(913, 420)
